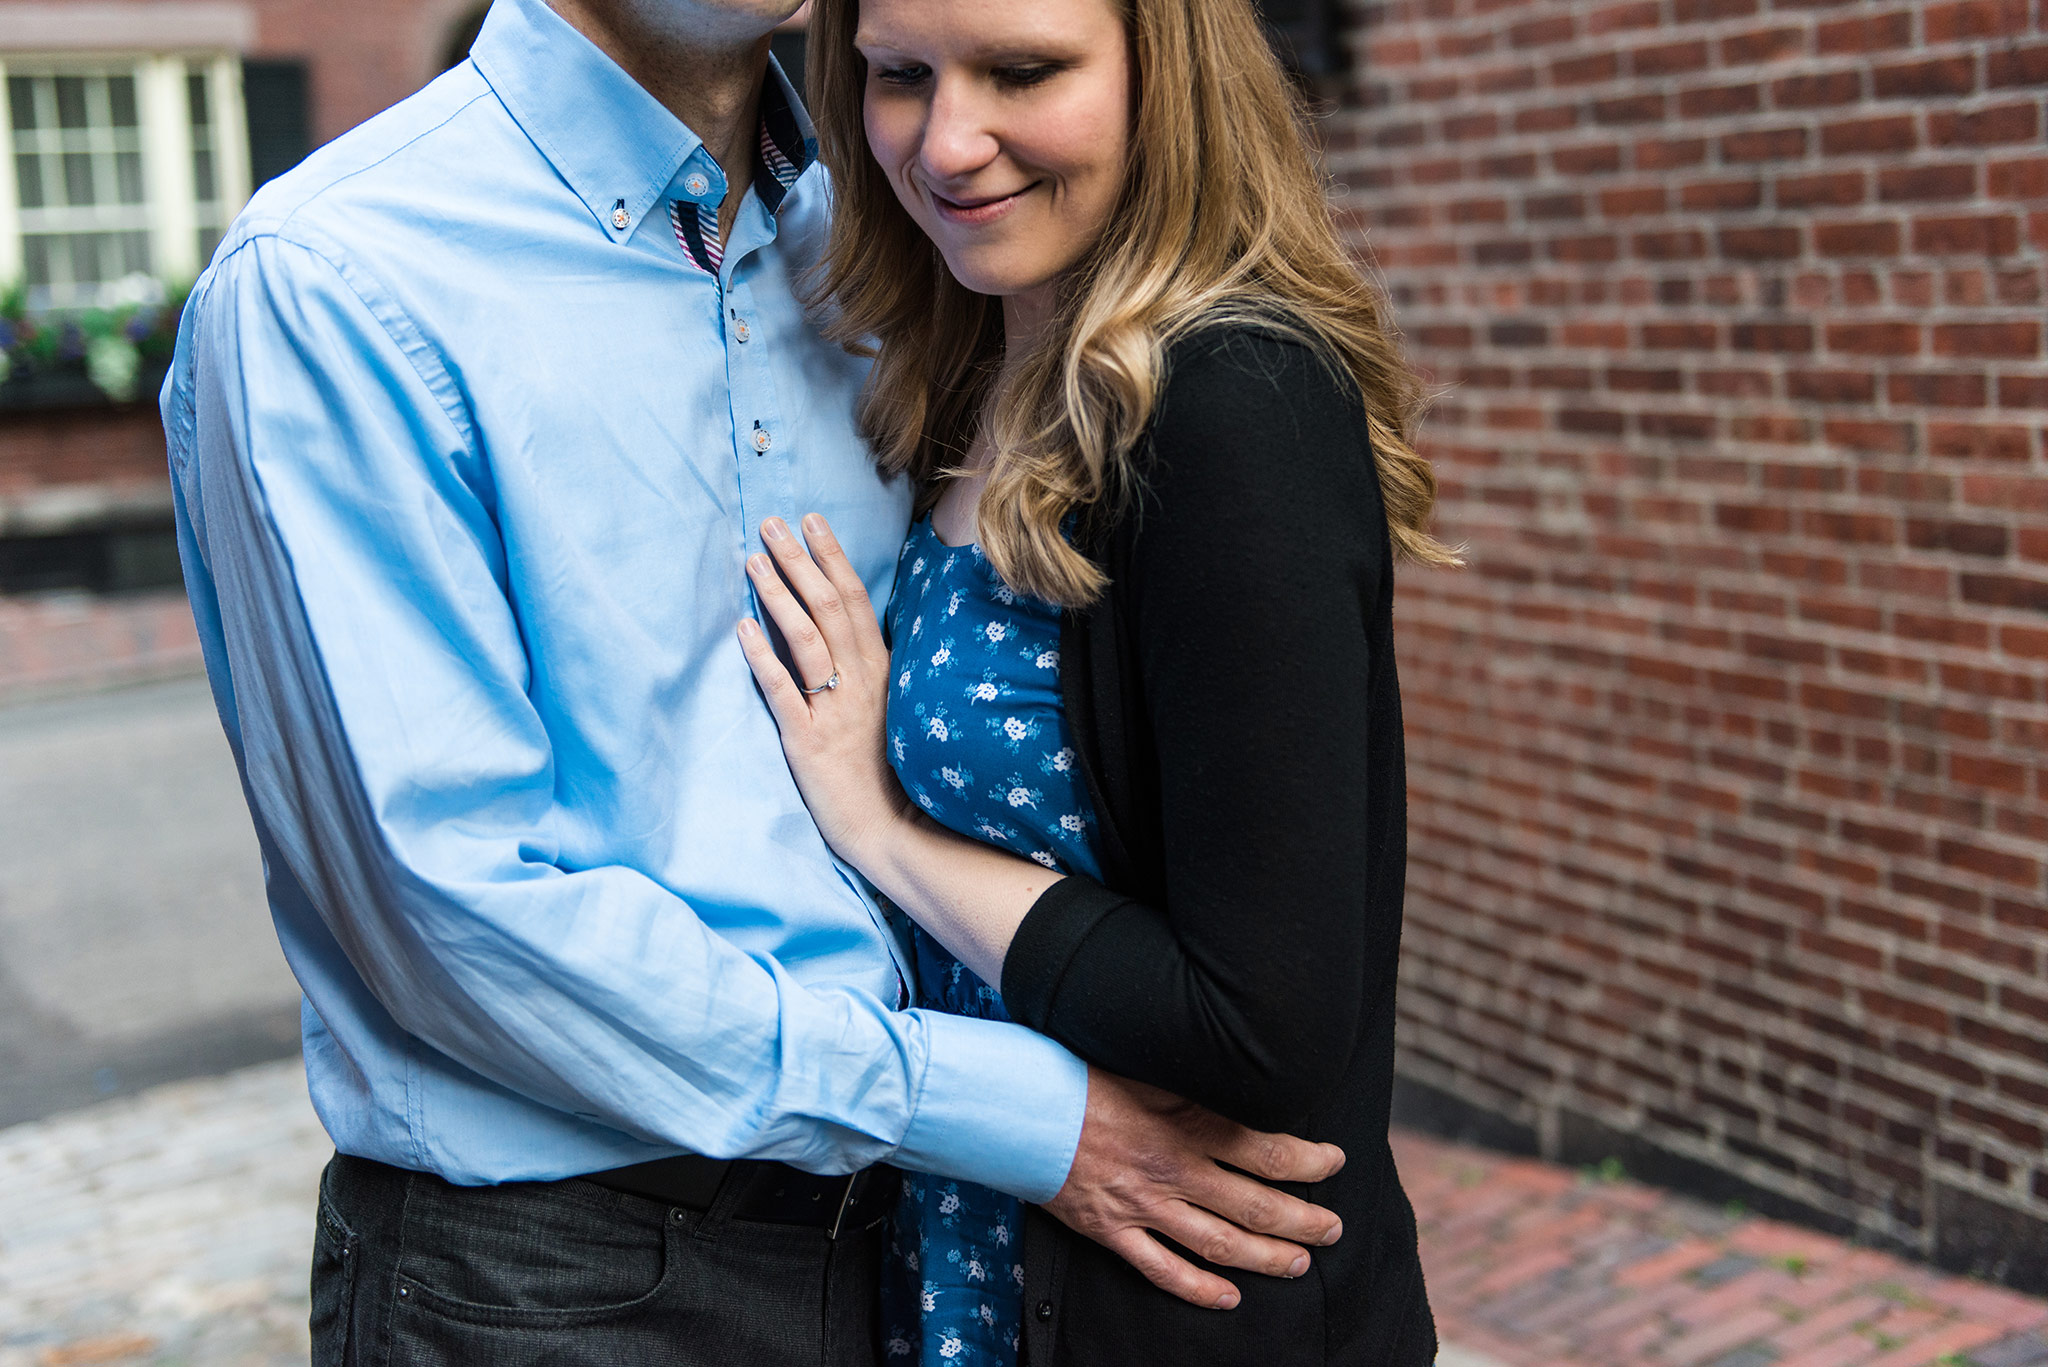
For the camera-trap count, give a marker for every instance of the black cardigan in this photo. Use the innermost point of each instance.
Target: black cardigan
(1234, 703)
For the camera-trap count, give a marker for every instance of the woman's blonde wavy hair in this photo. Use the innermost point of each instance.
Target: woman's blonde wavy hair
(1222, 218)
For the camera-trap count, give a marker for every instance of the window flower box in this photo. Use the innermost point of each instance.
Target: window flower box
(91, 357)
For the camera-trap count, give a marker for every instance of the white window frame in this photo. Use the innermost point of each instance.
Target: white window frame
(164, 114)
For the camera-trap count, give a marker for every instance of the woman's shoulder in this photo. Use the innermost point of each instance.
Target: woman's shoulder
(1252, 362)
(1252, 409)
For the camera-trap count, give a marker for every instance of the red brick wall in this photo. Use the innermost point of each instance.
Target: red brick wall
(366, 55)
(85, 446)
(1729, 751)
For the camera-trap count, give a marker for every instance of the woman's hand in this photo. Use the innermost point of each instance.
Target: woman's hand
(832, 713)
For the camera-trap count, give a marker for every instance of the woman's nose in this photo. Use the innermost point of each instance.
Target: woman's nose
(958, 138)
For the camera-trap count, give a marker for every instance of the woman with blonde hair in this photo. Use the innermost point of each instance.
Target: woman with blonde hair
(1132, 751)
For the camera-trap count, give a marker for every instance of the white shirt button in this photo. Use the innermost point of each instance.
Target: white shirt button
(762, 441)
(621, 219)
(741, 330)
(695, 183)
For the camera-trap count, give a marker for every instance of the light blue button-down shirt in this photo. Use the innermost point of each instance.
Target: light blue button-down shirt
(467, 473)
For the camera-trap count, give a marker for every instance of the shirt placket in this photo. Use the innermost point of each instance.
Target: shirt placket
(764, 448)
(764, 452)
(762, 443)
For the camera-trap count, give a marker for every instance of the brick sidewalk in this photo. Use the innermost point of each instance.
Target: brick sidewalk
(67, 642)
(1537, 1266)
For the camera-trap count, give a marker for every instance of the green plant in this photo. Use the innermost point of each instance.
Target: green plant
(109, 345)
(1608, 1170)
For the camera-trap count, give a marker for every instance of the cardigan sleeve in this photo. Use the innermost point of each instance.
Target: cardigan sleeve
(1255, 577)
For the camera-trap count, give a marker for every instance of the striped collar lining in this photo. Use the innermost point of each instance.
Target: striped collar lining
(781, 156)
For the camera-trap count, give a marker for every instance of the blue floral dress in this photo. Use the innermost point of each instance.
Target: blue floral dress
(979, 739)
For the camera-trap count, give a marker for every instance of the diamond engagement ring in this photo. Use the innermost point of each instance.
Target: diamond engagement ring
(824, 687)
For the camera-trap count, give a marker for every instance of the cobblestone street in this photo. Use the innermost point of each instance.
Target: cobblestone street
(171, 1227)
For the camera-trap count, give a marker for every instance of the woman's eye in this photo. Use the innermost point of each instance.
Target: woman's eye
(901, 76)
(1027, 75)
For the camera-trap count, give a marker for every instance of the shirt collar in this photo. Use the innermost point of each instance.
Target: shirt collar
(788, 144)
(616, 146)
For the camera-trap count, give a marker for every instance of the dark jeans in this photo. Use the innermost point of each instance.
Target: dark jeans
(412, 1271)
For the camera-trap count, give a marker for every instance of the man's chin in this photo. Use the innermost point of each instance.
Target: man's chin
(705, 23)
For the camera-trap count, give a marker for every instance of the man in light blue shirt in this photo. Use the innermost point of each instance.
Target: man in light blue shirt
(473, 422)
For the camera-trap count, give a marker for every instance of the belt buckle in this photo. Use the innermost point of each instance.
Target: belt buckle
(845, 1202)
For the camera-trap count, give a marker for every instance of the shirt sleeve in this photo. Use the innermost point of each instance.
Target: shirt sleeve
(1254, 583)
(342, 512)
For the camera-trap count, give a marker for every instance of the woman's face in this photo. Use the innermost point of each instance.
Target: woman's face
(1003, 126)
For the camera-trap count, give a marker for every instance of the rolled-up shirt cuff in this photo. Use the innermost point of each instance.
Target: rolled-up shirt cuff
(999, 1105)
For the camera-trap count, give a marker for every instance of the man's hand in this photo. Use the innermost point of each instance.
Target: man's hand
(1149, 1162)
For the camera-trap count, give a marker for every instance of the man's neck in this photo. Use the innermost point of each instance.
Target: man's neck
(714, 89)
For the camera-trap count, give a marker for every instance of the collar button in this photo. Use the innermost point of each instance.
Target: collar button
(695, 183)
(621, 219)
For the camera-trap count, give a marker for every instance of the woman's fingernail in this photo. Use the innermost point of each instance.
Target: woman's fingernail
(813, 524)
(1227, 1301)
(759, 564)
(774, 529)
(1298, 1266)
(747, 627)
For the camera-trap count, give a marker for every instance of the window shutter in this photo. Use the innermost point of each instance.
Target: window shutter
(275, 95)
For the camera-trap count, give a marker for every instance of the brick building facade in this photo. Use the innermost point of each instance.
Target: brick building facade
(1729, 752)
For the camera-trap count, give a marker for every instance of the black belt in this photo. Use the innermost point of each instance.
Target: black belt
(775, 1193)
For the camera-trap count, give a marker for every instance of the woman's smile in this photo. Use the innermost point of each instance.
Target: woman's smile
(977, 211)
